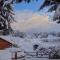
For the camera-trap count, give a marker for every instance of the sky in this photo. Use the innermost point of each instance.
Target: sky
(33, 6)
(28, 18)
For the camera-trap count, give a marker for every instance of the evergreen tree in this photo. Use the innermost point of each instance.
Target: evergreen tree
(55, 6)
(6, 15)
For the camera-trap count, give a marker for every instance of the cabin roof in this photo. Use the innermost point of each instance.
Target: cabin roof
(10, 40)
(5, 40)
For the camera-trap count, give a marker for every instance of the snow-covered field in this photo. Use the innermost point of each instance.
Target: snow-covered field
(41, 59)
(24, 45)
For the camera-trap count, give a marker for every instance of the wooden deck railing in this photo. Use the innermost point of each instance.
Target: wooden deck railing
(31, 54)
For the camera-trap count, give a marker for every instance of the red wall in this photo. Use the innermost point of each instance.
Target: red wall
(4, 44)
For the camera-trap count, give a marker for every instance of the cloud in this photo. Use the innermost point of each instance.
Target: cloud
(23, 15)
(27, 20)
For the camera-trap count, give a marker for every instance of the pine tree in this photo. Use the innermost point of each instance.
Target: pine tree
(55, 6)
(6, 15)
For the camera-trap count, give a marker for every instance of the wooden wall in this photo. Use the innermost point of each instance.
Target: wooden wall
(4, 44)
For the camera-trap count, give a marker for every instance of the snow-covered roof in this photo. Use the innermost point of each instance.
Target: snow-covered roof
(10, 39)
(15, 40)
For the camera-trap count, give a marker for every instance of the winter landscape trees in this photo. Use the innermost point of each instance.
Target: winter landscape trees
(26, 40)
(7, 16)
(6, 12)
(55, 6)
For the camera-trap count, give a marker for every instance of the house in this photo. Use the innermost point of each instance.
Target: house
(4, 44)
(9, 49)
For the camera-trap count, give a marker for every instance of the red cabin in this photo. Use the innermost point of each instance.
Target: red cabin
(4, 44)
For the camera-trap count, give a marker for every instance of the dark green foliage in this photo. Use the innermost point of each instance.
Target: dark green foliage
(18, 1)
(2, 24)
(58, 1)
(48, 3)
(54, 55)
(35, 46)
(54, 6)
(6, 16)
(15, 45)
(28, 1)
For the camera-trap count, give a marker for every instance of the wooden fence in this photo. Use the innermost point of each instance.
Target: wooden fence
(29, 55)
(34, 54)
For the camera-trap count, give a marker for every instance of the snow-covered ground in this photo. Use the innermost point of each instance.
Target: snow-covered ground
(24, 45)
(40, 59)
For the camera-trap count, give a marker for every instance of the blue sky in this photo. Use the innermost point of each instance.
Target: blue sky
(33, 6)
